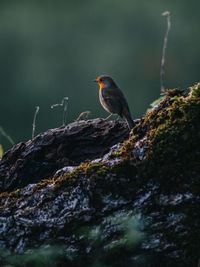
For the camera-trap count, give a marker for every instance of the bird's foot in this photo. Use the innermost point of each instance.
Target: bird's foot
(107, 118)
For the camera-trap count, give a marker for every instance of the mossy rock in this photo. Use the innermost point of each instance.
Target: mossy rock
(153, 175)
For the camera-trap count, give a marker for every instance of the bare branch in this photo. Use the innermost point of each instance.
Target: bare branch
(83, 115)
(63, 104)
(34, 121)
(4, 134)
(163, 59)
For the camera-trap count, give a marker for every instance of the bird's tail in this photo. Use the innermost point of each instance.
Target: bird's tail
(129, 121)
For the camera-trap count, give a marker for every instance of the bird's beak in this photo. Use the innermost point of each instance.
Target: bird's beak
(95, 80)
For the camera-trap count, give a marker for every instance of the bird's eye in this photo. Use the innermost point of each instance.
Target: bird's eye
(100, 80)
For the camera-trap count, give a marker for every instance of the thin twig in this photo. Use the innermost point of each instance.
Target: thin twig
(63, 104)
(37, 108)
(163, 59)
(4, 134)
(83, 115)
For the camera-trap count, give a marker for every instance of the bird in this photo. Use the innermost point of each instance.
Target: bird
(112, 99)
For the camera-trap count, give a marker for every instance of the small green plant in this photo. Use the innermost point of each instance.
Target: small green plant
(155, 103)
(1, 151)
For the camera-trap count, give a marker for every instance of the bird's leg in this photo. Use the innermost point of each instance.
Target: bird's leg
(108, 117)
(118, 118)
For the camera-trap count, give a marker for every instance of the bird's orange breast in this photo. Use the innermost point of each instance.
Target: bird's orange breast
(101, 85)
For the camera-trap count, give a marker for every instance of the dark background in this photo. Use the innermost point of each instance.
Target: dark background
(51, 49)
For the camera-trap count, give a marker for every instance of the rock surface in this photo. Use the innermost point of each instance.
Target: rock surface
(136, 204)
(39, 158)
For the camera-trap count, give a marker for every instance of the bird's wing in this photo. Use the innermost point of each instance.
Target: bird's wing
(116, 103)
(114, 100)
(124, 104)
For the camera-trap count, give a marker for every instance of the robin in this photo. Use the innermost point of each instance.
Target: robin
(112, 99)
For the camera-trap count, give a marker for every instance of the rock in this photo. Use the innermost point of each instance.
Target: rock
(136, 204)
(41, 157)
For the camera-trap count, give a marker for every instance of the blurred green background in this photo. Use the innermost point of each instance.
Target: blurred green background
(51, 49)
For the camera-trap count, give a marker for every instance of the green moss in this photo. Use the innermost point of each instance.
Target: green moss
(174, 122)
(195, 91)
(96, 169)
(172, 134)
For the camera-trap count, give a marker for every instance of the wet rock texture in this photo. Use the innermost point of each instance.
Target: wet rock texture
(39, 158)
(134, 203)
